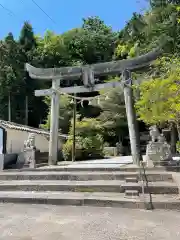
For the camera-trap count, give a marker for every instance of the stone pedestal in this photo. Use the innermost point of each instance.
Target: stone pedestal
(156, 152)
(30, 157)
(149, 162)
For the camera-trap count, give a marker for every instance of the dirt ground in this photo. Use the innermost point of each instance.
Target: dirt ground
(36, 222)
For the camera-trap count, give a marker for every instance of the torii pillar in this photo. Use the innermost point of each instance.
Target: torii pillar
(54, 123)
(131, 117)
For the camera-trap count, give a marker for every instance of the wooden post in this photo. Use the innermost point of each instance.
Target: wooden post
(131, 117)
(54, 124)
(26, 111)
(9, 107)
(74, 131)
(173, 138)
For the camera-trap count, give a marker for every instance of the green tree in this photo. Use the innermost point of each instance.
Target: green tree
(92, 43)
(163, 3)
(134, 30)
(28, 48)
(113, 115)
(27, 39)
(65, 114)
(52, 51)
(10, 77)
(159, 99)
(161, 24)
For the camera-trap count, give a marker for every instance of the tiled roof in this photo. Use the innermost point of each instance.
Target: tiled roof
(16, 126)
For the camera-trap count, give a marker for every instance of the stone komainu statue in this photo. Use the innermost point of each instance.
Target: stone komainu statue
(157, 150)
(30, 142)
(154, 133)
(30, 151)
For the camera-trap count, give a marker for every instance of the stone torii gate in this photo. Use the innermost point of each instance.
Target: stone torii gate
(88, 73)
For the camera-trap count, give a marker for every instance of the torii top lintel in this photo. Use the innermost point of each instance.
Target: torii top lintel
(99, 69)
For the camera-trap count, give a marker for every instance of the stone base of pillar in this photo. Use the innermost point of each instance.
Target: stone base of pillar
(1, 162)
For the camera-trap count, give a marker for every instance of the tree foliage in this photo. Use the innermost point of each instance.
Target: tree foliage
(159, 97)
(89, 140)
(113, 114)
(65, 114)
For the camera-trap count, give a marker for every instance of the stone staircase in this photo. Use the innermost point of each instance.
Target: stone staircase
(96, 186)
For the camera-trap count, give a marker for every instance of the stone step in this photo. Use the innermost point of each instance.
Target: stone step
(91, 199)
(83, 176)
(102, 169)
(131, 193)
(88, 186)
(131, 179)
(88, 168)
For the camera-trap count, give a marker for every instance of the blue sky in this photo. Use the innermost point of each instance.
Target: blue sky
(66, 14)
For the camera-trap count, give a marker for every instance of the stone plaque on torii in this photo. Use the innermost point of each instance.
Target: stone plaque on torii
(88, 73)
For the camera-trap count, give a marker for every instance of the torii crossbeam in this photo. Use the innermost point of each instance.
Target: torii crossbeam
(88, 74)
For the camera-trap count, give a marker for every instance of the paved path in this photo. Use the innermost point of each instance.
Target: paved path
(35, 222)
(107, 163)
